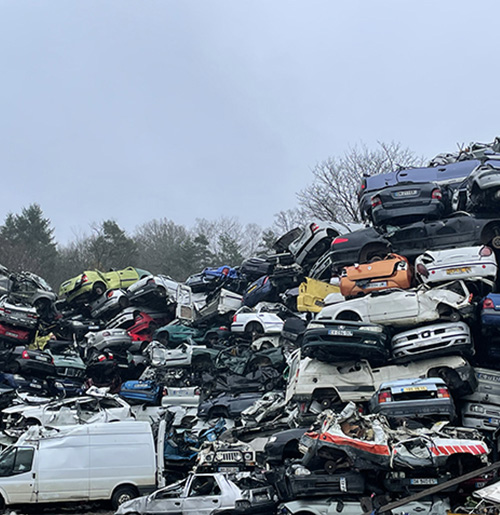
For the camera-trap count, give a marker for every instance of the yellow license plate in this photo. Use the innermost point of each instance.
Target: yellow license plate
(414, 389)
(462, 270)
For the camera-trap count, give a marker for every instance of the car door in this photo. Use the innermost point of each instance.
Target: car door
(409, 241)
(167, 500)
(396, 307)
(18, 475)
(204, 495)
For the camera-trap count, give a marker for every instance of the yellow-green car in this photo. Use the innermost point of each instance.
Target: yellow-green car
(92, 283)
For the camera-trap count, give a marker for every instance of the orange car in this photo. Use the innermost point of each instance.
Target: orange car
(392, 272)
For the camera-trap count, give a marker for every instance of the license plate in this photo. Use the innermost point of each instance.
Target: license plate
(414, 389)
(14, 335)
(228, 469)
(424, 481)
(339, 332)
(405, 193)
(379, 284)
(41, 358)
(461, 270)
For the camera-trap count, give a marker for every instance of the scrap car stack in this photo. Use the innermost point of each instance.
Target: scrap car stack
(356, 367)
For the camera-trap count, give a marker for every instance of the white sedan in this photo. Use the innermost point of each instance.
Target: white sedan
(404, 307)
(94, 407)
(262, 319)
(435, 266)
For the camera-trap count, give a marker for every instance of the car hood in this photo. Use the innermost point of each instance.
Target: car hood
(138, 505)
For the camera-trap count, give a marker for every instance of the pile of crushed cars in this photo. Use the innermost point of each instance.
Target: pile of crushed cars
(352, 371)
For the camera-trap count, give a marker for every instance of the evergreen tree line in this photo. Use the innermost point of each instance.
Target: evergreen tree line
(27, 243)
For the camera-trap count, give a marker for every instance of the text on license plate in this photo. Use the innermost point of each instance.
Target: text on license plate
(461, 270)
(405, 193)
(41, 358)
(414, 389)
(229, 469)
(339, 332)
(424, 481)
(377, 284)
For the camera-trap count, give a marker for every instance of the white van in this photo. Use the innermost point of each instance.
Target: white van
(102, 461)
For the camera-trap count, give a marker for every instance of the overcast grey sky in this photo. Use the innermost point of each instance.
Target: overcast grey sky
(135, 110)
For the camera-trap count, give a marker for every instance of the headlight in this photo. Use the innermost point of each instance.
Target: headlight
(238, 457)
(209, 457)
(219, 456)
(272, 439)
(372, 328)
(315, 325)
(248, 456)
(476, 408)
(370, 342)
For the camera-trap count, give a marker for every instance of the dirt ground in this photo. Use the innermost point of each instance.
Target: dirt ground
(54, 509)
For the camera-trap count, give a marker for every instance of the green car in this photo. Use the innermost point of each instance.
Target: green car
(93, 283)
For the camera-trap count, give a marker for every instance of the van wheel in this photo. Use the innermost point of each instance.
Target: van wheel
(123, 494)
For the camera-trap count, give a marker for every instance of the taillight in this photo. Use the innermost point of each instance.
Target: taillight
(25, 355)
(265, 280)
(339, 240)
(422, 270)
(197, 391)
(437, 194)
(485, 251)
(110, 294)
(314, 227)
(101, 357)
(376, 201)
(488, 304)
(384, 396)
(84, 278)
(235, 317)
(151, 281)
(225, 271)
(443, 393)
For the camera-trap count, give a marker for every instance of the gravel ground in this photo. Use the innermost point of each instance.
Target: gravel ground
(55, 509)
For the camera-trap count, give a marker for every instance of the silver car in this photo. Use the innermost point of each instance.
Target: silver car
(435, 339)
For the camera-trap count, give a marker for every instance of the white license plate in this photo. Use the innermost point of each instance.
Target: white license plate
(41, 358)
(424, 481)
(14, 335)
(228, 469)
(405, 193)
(379, 284)
(339, 332)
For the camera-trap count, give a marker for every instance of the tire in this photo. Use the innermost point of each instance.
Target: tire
(14, 367)
(491, 236)
(123, 494)
(42, 306)
(254, 329)
(350, 316)
(217, 412)
(454, 316)
(373, 253)
(124, 302)
(330, 466)
(161, 292)
(98, 289)
(266, 346)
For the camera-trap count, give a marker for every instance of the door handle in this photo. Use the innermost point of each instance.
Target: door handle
(177, 503)
(215, 501)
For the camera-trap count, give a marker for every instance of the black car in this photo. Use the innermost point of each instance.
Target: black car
(460, 229)
(24, 361)
(227, 405)
(336, 342)
(410, 202)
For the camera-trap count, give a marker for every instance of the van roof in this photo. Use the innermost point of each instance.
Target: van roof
(36, 433)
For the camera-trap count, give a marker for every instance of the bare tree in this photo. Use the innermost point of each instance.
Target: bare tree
(333, 192)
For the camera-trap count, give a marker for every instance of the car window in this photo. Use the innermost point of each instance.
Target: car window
(172, 491)
(16, 460)
(204, 486)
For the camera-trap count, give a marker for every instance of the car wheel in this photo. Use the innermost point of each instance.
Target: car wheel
(218, 412)
(266, 345)
(254, 329)
(42, 306)
(98, 289)
(124, 302)
(454, 316)
(491, 236)
(14, 367)
(373, 253)
(123, 494)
